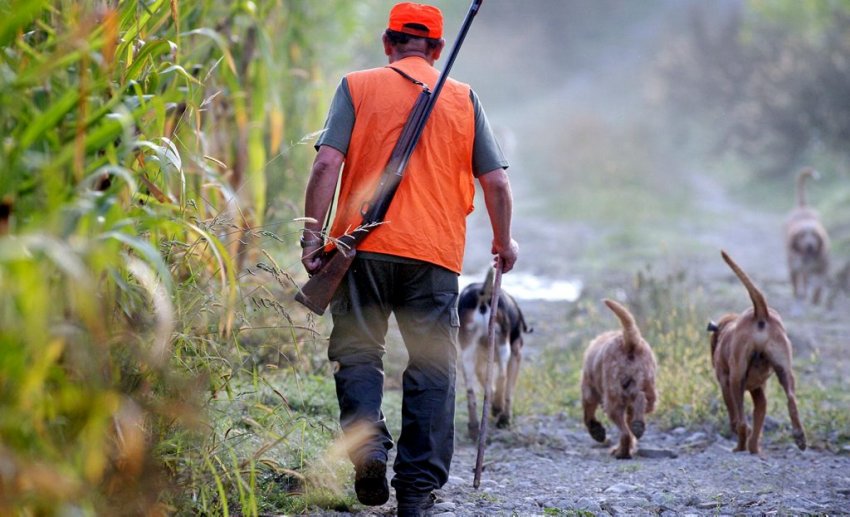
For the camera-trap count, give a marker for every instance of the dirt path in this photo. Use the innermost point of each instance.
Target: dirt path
(549, 465)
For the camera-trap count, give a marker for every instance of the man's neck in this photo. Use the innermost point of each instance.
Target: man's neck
(402, 55)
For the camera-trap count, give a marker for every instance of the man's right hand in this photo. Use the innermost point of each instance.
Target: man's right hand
(312, 259)
(507, 255)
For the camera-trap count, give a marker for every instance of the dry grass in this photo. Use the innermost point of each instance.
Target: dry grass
(672, 317)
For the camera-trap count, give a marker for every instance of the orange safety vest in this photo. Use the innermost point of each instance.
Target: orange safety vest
(427, 217)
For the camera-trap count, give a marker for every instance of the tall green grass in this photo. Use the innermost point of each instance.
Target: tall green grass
(146, 154)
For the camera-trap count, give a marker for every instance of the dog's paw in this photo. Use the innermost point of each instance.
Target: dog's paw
(620, 454)
(498, 413)
(638, 428)
(597, 432)
(800, 439)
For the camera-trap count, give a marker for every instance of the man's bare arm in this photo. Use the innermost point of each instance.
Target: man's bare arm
(318, 198)
(499, 201)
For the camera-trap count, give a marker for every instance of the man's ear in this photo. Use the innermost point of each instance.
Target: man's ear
(388, 48)
(439, 49)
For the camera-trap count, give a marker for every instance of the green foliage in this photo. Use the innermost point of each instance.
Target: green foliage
(672, 318)
(822, 409)
(137, 142)
(812, 19)
(770, 76)
(271, 446)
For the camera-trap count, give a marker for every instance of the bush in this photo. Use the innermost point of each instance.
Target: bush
(137, 140)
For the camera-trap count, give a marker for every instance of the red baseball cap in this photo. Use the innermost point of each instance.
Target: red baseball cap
(428, 16)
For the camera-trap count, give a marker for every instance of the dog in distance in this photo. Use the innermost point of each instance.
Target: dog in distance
(806, 245)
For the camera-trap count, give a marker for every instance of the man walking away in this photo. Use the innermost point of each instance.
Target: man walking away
(409, 264)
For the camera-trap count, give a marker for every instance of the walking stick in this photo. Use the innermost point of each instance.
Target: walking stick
(488, 386)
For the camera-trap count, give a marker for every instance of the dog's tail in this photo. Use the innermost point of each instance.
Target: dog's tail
(525, 327)
(759, 303)
(804, 174)
(631, 333)
(488, 284)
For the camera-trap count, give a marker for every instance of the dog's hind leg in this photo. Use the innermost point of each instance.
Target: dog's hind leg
(501, 379)
(804, 286)
(589, 403)
(739, 419)
(796, 283)
(730, 406)
(786, 380)
(637, 414)
(819, 285)
(513, 374)
(468, 358)
(623, 451)
(759, 411)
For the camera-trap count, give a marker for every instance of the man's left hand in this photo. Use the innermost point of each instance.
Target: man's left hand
(506, 254)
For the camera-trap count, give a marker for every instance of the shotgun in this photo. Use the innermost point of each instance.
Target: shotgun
(320, 288)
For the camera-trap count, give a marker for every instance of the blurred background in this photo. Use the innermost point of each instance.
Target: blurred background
(153, 162)
(657, 116)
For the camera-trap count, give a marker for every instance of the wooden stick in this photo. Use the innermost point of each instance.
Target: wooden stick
(488, 386)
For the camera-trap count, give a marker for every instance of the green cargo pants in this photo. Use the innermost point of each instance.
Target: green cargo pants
(423, 298)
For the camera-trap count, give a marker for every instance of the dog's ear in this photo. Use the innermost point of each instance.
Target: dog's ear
(712, 327)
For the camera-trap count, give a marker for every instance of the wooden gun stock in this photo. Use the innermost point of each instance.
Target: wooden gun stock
(317, 292)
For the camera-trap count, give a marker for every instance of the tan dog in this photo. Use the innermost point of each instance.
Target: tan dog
(474, 313)
(619, 373)
(806, 245)
(745, 349)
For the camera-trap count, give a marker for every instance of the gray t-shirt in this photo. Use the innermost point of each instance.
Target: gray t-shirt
(486, 153)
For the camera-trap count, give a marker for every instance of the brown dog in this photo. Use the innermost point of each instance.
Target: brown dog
(806, 245)
(745, 349)
(619, 373)
(474, 313)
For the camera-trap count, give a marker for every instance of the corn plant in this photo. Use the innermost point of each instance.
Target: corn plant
(137, 139)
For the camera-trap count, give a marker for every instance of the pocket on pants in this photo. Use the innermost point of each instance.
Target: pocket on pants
(445, 303)
(455, 317)
(445, 293)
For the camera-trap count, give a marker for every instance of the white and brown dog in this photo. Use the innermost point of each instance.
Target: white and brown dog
(619, 373)
(745, 349)
(806, 245)
(474, 312)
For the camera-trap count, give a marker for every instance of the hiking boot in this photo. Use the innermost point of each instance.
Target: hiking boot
(417, 506)
(370, 480)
